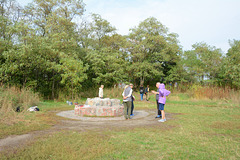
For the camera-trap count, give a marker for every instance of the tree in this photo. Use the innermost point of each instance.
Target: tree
(203, 61)
(231, 67)
(152, 50)
(105, 53)
(45, 48)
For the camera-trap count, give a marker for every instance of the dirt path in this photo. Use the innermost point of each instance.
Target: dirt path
(141, 118)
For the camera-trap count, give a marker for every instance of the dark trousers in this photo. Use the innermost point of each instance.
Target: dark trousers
(158, 111)
(132, 108)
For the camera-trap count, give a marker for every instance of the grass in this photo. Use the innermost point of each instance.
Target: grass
(200, 129)
(31, 121)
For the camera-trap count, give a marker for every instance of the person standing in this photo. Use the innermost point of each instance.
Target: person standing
(127, 101)
(157, 97)
(141, 92)
(132, 108)
(163, 93)
(147, 92)
(100, 93)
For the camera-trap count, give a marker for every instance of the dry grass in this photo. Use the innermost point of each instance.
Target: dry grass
(10, 99)
(113, 92)
(13, 97)
(214, 93)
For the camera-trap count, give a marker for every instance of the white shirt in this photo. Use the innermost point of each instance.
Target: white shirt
(100, 92)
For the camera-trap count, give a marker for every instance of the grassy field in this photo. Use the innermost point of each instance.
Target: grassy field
(200, 129)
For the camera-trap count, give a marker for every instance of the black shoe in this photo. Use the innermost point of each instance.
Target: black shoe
(158, 117)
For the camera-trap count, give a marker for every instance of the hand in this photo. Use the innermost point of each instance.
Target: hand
(154, 92)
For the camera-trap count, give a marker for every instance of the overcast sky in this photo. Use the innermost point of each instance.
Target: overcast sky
(211, 21)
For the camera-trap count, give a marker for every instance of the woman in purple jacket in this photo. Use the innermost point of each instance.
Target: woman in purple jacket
(163, 93)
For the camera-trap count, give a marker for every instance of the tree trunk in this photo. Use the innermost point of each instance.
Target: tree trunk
(72, 90)
(141, 80)
(53, 83)
(53, 96)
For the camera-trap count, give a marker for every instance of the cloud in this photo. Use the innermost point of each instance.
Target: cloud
(211, 21)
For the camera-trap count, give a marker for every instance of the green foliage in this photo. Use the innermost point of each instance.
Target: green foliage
(203, 62)
(232, 65)
(153, 51)
(50, 47)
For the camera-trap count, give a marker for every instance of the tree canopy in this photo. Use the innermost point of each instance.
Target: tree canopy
(51, 47)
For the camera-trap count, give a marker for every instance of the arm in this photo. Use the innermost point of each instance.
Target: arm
(123, 95)
(154, 92)
(167, 92)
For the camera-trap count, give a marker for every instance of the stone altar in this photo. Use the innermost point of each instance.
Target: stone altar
(100, 107)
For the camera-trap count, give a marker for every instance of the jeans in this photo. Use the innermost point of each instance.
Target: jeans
(141, 94)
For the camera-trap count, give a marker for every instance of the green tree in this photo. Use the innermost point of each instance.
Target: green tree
(231, 67)
(203, 61)
(153, 51)
(45, 47)
(105, 52)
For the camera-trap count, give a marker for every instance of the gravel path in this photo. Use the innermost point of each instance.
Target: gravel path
(70, 114)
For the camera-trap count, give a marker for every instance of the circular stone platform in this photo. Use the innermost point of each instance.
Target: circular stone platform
(70, 114)
(97, 107)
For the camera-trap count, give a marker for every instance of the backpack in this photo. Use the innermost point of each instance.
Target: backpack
(146, 90)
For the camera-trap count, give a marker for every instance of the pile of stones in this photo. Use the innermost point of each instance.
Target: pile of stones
(100, 107)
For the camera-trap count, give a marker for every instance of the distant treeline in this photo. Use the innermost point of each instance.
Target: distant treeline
(51, 47)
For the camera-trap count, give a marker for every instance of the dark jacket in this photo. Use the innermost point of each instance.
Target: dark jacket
(141, 90)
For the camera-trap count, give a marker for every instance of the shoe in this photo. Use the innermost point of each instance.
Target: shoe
(158, 116)
(132, 115)
(161, 120)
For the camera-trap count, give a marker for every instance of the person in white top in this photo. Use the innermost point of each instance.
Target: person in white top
(127, 101)
(100, 93)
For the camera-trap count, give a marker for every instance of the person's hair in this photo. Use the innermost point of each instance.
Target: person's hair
(130, 84)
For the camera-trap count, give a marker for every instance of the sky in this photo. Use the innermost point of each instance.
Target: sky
(214, 22)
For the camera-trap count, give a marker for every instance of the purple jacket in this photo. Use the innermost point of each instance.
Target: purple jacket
(163, 93)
